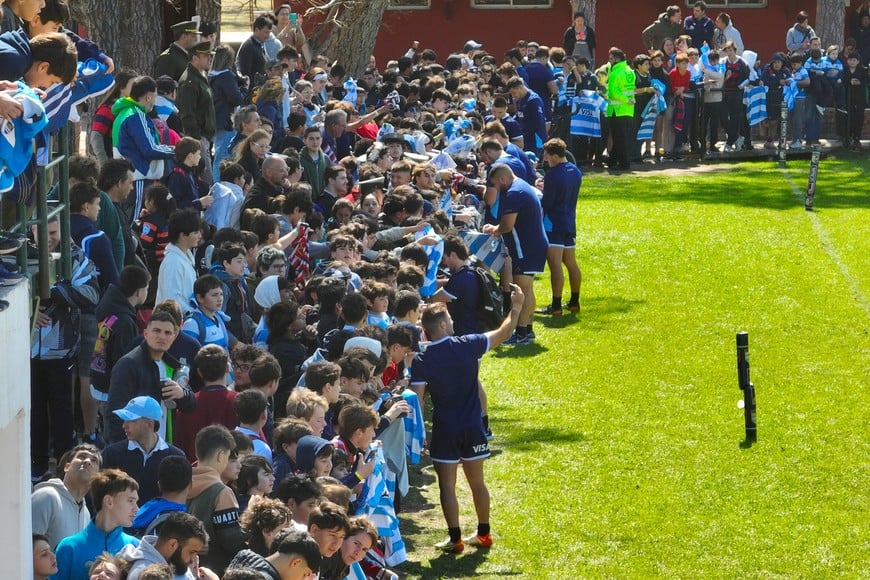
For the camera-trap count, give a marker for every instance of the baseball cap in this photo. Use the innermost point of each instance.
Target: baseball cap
(143, 407)
(471, 45)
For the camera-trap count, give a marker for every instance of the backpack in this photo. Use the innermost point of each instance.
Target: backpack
(490, 301)
(197, 317)
(100, 370)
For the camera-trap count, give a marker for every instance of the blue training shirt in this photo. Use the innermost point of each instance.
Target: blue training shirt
(559, 203)
(527, 241)
(449, 367)
(463, 288)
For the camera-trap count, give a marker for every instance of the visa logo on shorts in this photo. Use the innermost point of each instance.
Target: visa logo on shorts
(480, 448)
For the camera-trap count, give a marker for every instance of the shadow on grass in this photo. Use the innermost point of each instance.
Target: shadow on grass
(522, 438)
(596, 314)
(519, 350)
(454, 566)
(762, 185)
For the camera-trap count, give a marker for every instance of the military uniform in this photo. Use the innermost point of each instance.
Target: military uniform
(174, 59)
(196, 107)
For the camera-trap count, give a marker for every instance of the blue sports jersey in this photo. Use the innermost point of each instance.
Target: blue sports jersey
(559, 203)
(527, 241)
(539, 77)
(449, 367)
(531, 117)
(463, 288)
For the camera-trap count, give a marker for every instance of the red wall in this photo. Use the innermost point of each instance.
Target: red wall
(448, 24)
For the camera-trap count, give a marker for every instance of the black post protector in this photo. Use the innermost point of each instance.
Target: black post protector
(783, 132)
(746, 386)
(814, 173)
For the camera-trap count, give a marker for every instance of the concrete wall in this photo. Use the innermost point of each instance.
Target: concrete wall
(16, 548)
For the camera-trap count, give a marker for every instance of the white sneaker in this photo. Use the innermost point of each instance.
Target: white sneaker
(821, 110)
(739, 143)
(796, 144)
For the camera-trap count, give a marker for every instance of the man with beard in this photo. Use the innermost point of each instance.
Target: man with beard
(180, 537)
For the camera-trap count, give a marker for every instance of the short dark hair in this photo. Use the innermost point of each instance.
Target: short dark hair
(262, 21)
(329, 516)
(184, 147)
(250, 470)
(399, 334)
(113, 172)
(300, 544)
(298, 196)
(142, 86)
(132, 279)
(185, 221)
(54, 11)
(354, 307)
(83, 168)
(211, 362)
(205, 284)
(408, 300)
(320, 374)
(110, 482)
(227, 252)
(264, 370)
(356, 416)
(230, 170)
(330, 293)
(81, 193)
(280, 317)
(57, 50)
(250, 406)
(70, 455)
(263, 226)
(174, 474)
(432, 316)
(299, 488)
(182, 526)
(296, 119)
(212, 440)
(289, 431)
(332, 172)
(353, 368)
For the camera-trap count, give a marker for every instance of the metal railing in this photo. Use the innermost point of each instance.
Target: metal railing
(59, 160)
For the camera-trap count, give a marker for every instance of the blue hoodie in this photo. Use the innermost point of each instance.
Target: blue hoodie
(76, 553)
(150, 511)
(15, 56)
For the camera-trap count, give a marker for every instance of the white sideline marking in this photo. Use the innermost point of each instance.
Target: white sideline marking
(828, 246)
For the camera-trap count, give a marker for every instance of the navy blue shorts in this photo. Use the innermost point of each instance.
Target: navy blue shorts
(462, 445)
(560, 240)
(529, 265)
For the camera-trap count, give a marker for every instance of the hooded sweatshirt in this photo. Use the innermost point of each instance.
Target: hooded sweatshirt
(307, 449)
(56, 513)
(215, 505)
(176, 277)
(143, 556)
(135, 138)
(254, 561)
(144, 521)
(76, 553)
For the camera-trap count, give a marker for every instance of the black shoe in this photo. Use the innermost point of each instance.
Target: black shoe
(9, 245)
(3, 305)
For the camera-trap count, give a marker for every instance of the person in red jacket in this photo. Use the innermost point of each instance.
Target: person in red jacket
(214, 402)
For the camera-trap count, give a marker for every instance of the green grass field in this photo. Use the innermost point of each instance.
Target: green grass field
(619, 434)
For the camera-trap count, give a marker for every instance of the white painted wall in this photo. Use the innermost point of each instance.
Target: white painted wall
(16, 548)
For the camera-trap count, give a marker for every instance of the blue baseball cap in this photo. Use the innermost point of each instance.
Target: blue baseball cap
(141, 408)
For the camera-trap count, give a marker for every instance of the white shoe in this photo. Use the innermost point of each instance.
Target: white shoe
(796, 144)
(820, 109)
(739, 143)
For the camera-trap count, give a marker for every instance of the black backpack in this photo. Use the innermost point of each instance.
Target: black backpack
(490, 301)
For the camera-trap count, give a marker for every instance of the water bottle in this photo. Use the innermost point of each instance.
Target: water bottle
(182, 377)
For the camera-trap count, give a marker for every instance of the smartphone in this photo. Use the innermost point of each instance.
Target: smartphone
(294, 19)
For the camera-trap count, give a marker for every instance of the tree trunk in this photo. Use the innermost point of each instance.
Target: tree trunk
(351, 42)
(210, 11)
(830, 22)
(102, 19)
(141, 26)
(587, 7)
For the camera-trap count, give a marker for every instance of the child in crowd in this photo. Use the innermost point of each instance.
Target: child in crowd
(324, 379)
(714, 79)
(775, 76)
(183, 182)
(251, 408)
(379, 296)
(314, 456)
(207, 323)
(285, 441)
(307, 405)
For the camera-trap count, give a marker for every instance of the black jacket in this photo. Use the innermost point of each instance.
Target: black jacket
(136, 374)
(122, 332)
(254, 561)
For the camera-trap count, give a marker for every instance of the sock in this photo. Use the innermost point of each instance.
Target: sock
(482, 529)
(455, 534)
(557, 303)
(529, 328)
(521, 331)
(575, 299)
(485, 421)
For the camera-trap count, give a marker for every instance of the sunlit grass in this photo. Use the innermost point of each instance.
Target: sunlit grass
(619, 430)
